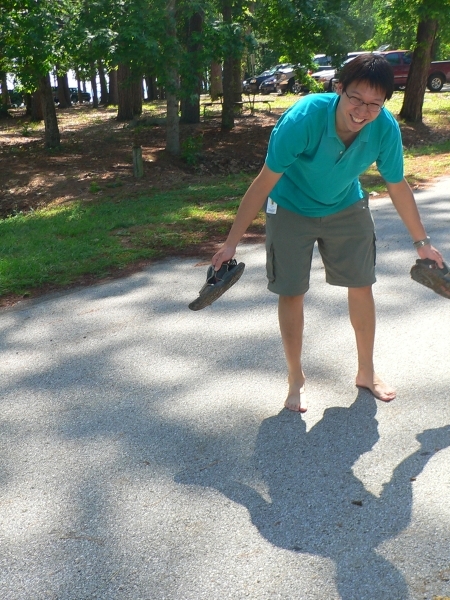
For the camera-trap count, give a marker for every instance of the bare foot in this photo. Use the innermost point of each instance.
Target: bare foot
(379, 389)
(296, 399)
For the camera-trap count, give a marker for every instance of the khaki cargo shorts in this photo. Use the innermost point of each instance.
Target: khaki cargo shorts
(346, 242)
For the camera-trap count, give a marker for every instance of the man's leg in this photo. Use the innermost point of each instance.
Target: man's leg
(290, 316)
(362, 317)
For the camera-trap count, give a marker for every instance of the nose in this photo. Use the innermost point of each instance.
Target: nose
(364, 108)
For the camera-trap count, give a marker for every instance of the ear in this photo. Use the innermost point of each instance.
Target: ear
(338, 89)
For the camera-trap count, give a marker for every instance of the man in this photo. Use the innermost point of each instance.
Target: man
(316, 153)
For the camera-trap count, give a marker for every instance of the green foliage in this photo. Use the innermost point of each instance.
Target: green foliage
(35, 36)
(310, 84)
(300, 28)
(191, 149)
(94, 187)
(396, 22)
(27, 128)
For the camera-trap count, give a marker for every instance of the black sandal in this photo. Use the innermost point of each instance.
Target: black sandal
(427, 272)
(217, 283)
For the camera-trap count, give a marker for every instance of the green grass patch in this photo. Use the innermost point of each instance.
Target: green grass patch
(422, 163)
(60, 245)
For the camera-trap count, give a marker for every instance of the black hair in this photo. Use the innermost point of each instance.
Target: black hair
(372, 68)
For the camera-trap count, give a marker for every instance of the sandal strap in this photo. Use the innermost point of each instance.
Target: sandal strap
(213, 277)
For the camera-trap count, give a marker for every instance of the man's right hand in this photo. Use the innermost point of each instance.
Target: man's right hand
(225, 254)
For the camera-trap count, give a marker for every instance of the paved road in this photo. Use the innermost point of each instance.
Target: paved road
(145, 454)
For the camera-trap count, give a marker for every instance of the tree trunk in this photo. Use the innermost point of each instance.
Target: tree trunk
(237, 80)
(216, 88)
(113, 92)
(149, 87)
(173, 121)
(79, 89)
(4, 96)
(190, 109)
(417, 77)
(228, 69)
(228, 95)
(36, 110)
(4, 83)
(63, 90)
(28, 104)
(190, 103)
(103, 84)
(136, 86)
(125, 94)
(52, 137)
(93, 79)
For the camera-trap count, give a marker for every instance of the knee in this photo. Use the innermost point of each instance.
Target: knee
(291, 302)
(360, 292)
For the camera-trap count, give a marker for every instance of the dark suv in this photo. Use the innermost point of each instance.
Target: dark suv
(85, 96)
(252, 84)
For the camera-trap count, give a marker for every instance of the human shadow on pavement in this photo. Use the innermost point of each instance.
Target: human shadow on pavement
(316, 505)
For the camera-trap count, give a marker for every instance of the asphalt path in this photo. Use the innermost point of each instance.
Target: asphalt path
(145, 453)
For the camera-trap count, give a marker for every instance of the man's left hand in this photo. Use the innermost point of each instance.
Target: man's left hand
(430, 252)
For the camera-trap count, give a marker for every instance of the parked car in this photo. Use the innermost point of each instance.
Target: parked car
(324, 77)
(251, 84)
(269, 85)
(287, 81)
(400, 60)
(85, 96)
(322, 60)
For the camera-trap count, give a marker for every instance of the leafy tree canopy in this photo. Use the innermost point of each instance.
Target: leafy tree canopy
(396, 22)
(36, 35)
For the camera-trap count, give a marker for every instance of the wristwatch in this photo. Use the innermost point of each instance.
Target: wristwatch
(421, 243)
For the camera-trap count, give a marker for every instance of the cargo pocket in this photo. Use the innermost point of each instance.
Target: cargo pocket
(270, 270)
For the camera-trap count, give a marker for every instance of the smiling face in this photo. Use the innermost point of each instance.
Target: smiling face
(351, 119)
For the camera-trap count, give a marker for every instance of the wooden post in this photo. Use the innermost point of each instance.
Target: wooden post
(138, 165)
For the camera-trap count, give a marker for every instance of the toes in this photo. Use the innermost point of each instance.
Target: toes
(296, 401)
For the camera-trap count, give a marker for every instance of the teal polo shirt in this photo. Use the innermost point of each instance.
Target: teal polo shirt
(320, 175)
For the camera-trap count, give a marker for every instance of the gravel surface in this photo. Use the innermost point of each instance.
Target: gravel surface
(145, 453)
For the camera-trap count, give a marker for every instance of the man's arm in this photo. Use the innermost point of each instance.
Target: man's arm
(403, 200)
(250, 205)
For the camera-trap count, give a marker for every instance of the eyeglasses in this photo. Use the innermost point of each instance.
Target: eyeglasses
(375, 108)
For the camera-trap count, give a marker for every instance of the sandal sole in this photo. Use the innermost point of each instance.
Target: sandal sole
(213, 292)
(431, 278)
